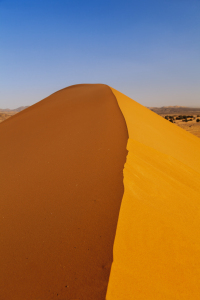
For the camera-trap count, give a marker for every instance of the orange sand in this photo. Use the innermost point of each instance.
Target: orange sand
(157, 244)
(61, 186)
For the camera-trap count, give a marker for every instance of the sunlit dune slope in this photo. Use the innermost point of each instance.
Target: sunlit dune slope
(157, 244)
(61, 186)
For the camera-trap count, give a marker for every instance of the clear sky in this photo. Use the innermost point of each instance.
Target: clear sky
(147, 49)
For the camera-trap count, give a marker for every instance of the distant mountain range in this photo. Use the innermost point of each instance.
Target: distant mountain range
(159, 110)
(175, 110)
(13, 110)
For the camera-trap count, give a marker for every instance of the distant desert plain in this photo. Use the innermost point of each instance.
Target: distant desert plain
(187, 118)
(7, 113)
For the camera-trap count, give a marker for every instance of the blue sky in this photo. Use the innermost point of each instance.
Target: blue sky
(147, 49)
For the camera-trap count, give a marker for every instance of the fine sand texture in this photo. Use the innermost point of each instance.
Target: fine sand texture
(61, 186)
(157, 243)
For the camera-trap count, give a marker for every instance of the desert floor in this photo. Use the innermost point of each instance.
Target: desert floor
(190, 126)
(4, 116)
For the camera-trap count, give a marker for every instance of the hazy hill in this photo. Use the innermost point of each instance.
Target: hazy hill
(175, 110)
(13, 110)
(7, 113)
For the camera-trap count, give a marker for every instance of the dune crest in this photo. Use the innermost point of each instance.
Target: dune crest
(156, 248)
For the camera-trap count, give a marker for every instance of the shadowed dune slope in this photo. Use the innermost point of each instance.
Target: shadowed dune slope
(61, 187)
(157, 244)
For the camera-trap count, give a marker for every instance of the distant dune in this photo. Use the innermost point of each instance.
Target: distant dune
(82, 217)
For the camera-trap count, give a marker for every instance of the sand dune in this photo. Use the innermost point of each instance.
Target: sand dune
(156, 249)
(61, 188)
(62, 166)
